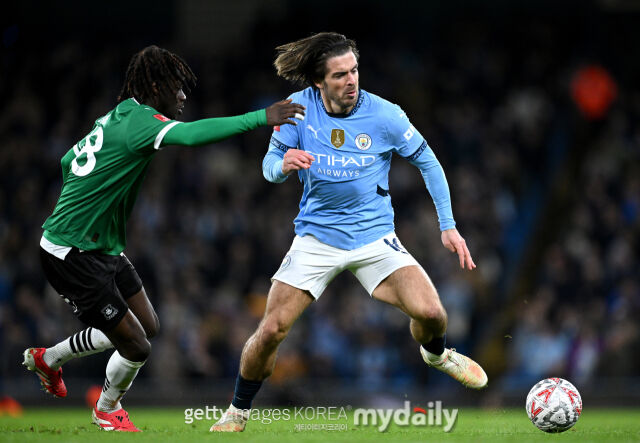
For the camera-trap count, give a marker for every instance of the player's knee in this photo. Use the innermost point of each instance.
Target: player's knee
(273, 331)
(153, 329)
(143, 351)
(431, 313)
(138, 350)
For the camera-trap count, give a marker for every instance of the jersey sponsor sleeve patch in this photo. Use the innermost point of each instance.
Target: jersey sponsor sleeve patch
(146, 130)
(162, 118)
(277, 144)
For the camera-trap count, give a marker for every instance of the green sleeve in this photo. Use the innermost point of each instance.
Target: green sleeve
(209, 130)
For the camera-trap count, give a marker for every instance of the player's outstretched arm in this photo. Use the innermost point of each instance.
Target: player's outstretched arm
(453, 241)
(211, 130)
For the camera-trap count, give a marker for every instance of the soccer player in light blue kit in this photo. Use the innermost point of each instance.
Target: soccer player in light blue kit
(342, 154)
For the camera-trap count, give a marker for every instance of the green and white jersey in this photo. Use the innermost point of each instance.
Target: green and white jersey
(102, 175)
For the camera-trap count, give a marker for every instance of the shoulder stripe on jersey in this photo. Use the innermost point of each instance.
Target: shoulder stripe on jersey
(161, 134)
(419, 151)
(275, 142)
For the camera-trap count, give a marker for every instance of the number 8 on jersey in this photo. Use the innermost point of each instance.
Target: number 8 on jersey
(89, 145)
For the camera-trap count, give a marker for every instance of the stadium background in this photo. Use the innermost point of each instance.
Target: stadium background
(540, 151)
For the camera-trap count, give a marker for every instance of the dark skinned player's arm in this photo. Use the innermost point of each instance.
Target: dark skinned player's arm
(210, 130)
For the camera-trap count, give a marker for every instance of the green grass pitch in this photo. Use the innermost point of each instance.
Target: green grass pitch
(168, 425)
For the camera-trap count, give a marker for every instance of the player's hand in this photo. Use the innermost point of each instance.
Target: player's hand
(453, 241)
(296, 159)
(281, 113)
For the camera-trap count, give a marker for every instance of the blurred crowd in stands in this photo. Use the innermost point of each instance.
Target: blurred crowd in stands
(581, 314)
(208, 231)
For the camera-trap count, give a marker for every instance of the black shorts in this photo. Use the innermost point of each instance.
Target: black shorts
(95, 285)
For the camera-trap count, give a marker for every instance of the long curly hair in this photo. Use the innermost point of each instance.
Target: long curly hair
(154, 71)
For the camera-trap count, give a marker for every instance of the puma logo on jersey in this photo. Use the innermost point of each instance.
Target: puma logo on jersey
(315, 131)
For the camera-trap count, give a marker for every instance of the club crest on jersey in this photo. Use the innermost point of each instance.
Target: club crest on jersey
(363, 141)
(337, 137)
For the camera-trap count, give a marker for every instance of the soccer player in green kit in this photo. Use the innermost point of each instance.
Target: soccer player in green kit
(82, 245)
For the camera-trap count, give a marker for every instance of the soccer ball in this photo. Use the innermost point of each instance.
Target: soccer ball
(554, 405)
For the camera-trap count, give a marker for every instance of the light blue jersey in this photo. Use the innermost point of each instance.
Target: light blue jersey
(346, 201)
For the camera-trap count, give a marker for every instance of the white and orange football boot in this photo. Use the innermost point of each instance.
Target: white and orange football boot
(458, 366)
(233, 420)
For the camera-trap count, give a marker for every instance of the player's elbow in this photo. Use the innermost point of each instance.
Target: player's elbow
(272, 171)
(267, 175)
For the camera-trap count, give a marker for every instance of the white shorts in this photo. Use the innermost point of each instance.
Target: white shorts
(311, 265)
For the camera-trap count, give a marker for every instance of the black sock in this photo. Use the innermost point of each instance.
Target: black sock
(245, 391)
(436, 345)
